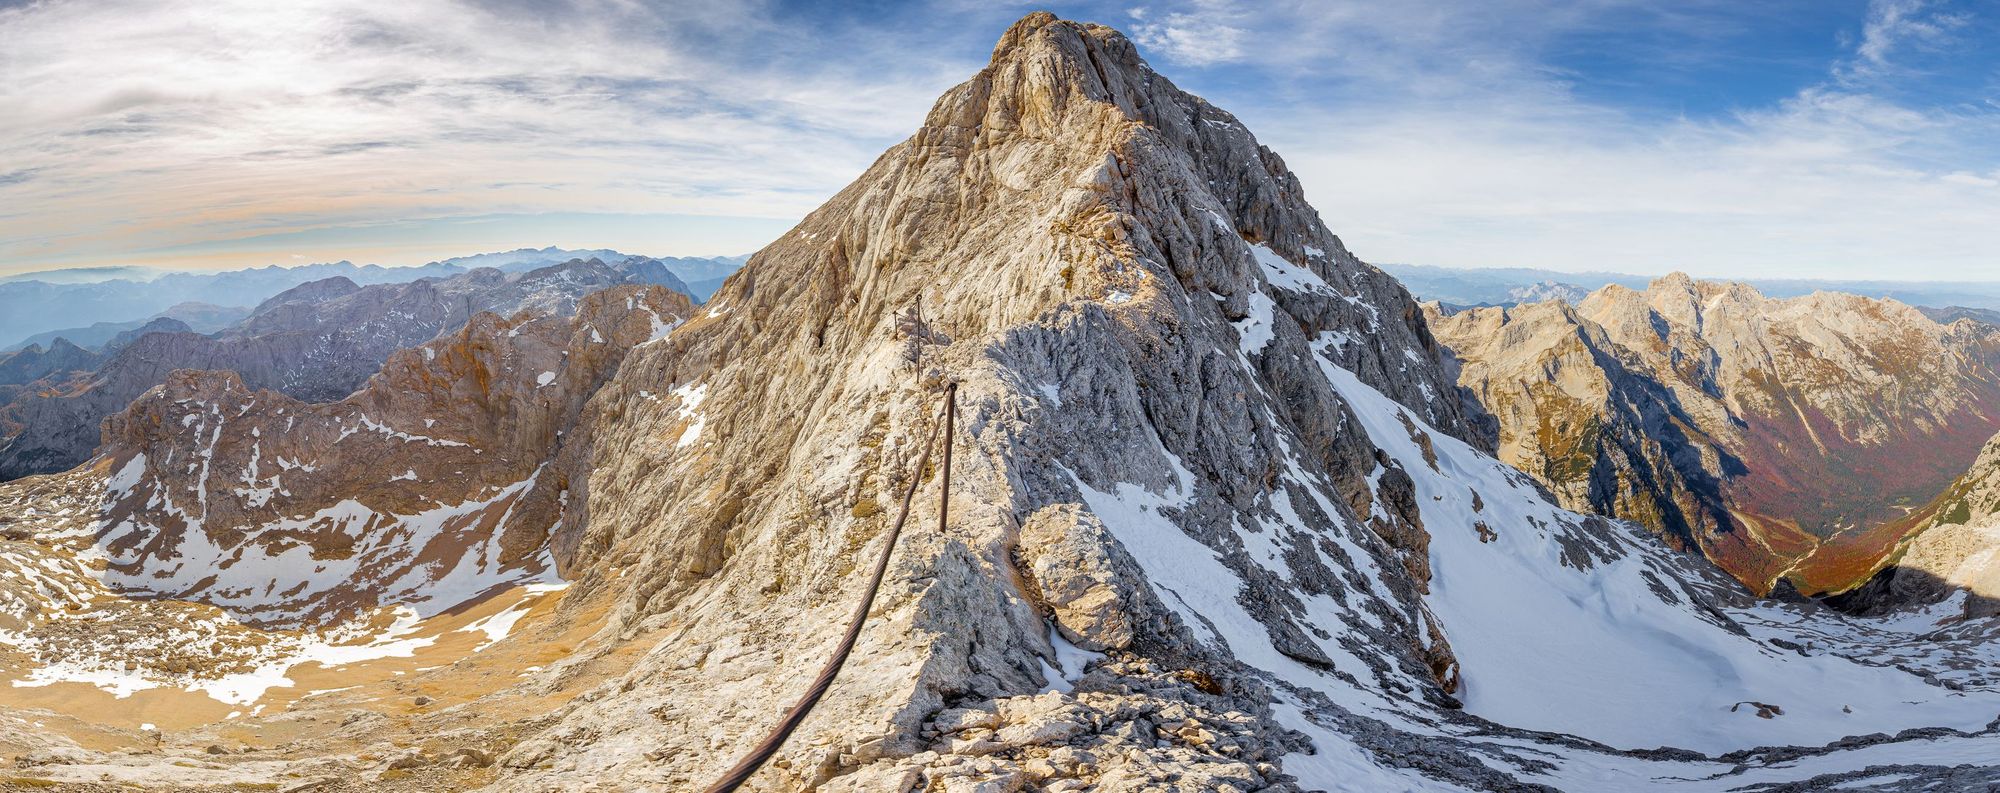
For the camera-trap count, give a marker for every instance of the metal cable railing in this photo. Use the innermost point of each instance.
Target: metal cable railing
(741, 772)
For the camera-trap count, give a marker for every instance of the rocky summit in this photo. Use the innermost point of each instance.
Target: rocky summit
(1221, 518)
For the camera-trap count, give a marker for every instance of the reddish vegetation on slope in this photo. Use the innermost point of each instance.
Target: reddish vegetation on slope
(1785, 438)
(1852, 497)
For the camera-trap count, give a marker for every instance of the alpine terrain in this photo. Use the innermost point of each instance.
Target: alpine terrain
(318, 341)
(1789, 440)
(1221, 518)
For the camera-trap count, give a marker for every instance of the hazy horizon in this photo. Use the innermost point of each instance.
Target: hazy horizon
(435, 254)
(250, 262)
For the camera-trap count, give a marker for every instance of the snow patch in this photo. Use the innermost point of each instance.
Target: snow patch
(1286, 275)
(1254, 331)
(691, 396)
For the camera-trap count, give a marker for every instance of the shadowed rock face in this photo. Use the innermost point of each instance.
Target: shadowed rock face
(316, 342)
(1582, 415)
(34, 363)
(126, 338)
(1788, 439)
(29, 373)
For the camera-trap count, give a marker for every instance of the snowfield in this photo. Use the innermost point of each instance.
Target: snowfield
(1562, 623)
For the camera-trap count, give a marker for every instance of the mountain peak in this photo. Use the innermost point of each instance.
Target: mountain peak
(1043, 63)
(1032, 35)
(1076, 173)
(1212, 482)
(1019, 32)
(1676, 281)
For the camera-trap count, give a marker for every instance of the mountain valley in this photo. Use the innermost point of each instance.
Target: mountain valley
(1787, 439)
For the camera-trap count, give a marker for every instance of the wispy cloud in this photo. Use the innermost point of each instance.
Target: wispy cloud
(1424, 134)
(1792, 137)
(1901, 24)
(1203, 35)
(151, 124)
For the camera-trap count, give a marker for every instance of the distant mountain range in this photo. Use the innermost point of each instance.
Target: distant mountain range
(318, 341)
(199, 317)
(1786, 438)
(1506, 286)
(1950, 314)
(86, 275)
(34, 305)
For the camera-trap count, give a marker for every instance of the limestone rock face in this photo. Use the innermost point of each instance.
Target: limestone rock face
(1787, 439)
(1126, 285)
(1078, 571)
(1583, 415)
(318, 341)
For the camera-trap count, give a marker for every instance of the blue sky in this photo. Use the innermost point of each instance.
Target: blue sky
(1838, 139)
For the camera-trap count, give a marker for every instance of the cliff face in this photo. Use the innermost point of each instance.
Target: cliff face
(1200, 438)
(1121, 279)
(1789, 437)
(1584, 416)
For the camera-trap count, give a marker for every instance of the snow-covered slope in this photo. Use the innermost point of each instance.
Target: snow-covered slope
(1573, 624)
(1203, 440)
(1568, 624)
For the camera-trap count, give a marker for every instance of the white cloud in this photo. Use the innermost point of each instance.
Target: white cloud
(1972, 179)
(1896, 24)
(1433, 132)
(144, 125)
(1429, 139)
(1201, 36)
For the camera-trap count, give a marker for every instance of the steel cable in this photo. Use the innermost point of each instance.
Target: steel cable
(744, 768)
